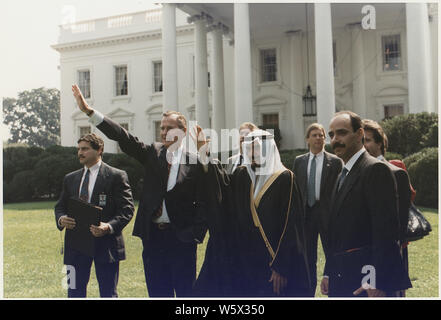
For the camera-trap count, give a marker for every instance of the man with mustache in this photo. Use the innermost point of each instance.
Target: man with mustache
(107, 187)
(316, 173)
(364, 254)
(170, 218)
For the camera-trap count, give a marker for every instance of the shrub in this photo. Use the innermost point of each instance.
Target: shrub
(32, 173)
(423, 173)
(409, 133)
(21, 187)
(288, 157)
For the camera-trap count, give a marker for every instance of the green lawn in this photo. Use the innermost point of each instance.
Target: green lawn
(33, 263)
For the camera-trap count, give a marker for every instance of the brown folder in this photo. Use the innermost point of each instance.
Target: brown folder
(85, 214)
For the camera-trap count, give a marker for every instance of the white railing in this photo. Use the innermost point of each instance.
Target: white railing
(104, 25)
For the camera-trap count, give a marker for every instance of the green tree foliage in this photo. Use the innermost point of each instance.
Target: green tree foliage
(409, 133)
(34, 118)
(423, 173)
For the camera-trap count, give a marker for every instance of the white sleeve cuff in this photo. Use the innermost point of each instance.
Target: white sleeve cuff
(96, 118)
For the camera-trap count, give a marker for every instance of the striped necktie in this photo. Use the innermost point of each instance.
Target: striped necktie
(84, 192)
(342, 178)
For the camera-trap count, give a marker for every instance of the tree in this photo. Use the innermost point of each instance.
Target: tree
(34, 118)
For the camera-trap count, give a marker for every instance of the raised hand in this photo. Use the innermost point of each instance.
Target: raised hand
(198, 137)
(82, 104)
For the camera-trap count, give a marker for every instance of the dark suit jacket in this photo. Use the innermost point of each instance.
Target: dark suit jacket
(364, 215)
(404, 196)
(332, 166)
(118, 210)
(184, 206)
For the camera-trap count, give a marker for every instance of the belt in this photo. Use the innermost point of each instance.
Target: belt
(162, 225)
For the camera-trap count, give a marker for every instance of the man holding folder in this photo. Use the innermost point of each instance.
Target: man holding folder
(104, 191)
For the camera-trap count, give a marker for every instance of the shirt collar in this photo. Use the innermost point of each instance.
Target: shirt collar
(354, 159)
(94, 168)
(176, 154)
(318, 155)
(381, 158)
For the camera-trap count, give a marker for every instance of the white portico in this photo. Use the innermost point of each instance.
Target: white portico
(226, 63)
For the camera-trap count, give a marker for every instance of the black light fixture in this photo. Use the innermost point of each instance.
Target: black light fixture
(309, 104)
(309, 100)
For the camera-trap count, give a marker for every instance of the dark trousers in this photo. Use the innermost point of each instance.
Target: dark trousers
(169, 264)
(79, 274)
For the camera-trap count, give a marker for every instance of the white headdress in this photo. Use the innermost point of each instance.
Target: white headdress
(259, 145)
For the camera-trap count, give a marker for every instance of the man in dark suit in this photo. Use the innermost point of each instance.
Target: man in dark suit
(171, 218)
(316, 173)
(107, 187)
(364, 253)
(375, 142)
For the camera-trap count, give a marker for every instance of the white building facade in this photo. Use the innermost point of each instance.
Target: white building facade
(223, 64)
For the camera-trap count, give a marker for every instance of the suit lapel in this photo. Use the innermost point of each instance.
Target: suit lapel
(77, 182)
(163, 165)
(99, 183)
(325, 171)
(303, 170)
(348, 183)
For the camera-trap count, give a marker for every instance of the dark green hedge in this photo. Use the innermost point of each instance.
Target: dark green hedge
(410, 133)
(32, 173)
(423, 173)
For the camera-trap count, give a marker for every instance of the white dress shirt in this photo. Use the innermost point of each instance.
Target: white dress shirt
(354, 159)
(175, 157)
(92, 178)
(318, 170)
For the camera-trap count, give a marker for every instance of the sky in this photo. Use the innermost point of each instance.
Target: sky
(28, 28)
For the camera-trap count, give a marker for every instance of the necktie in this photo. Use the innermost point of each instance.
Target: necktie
(84, 192)
(311, 183)
(342, 178)
(158, 212)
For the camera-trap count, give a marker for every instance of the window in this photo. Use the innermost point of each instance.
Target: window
(392, 110)
(391, 47)
(84, 130)
(125, 126)
(157, 76)
(268, 65)
(157, 131)
(270, 120)
(121, 82)
(84, 82)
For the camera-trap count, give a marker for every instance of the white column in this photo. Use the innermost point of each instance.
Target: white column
(358, 76)
(418, 56)
(297, 107)
(169, 58)
(217, 79)
(243, 90)
(201, 73)
(324, 63)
